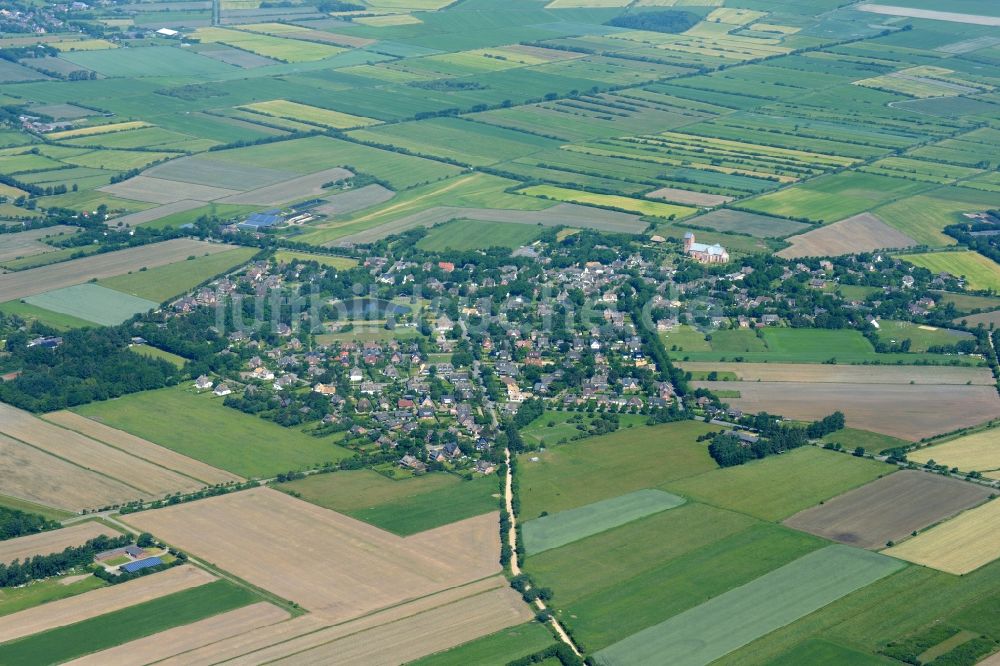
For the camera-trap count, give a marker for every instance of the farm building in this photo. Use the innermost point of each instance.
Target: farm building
(131, 551)
(706, 254)
(258, 221)
(132, 567)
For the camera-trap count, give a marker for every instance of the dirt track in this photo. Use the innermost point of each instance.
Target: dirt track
(889, 508)
(54, 541)
(98, 602)
(66, 274)
(333, 565)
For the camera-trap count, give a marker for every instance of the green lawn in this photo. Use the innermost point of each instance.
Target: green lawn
(164, 282)
(154, 352)
(779, 486)
(685, 338)
(571, 475)
(111, 629)
(850, 439)
(920, 337)
(564, 527)
(201, 427)
(14, 599)
(51, 318)
(495, 649)
(477, 235)
(404, 506)
(723, 624)
(564, 426)
(978, 271)
(736, 340)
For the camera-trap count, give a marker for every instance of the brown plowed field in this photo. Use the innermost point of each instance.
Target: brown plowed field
(142, 448)
(851, 374)
(861, 233)
(66, 274)
(181, 639)
(55, 541)
(889, 508)
(330, 564)
(98, 602)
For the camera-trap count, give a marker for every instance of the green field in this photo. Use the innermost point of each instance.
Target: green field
(564, 527)
(9, 502)
(17, 599)
(640, 206)
(476, 235)
(404, 506)
(92, 302)
(105, 631)
(818, 651)
(200, 426)
(51, 318)
(571, 475)
(494, 650)
(778, 598)
(553, 427)
(164, 282)
(978, 271)
(779, 486)
(154, 352)
(851, 438)
(340, 263)
(920, 337)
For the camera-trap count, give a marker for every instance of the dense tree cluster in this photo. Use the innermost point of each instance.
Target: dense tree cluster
(659, 21)
(43, 566)
(14, 523)
(775, 436)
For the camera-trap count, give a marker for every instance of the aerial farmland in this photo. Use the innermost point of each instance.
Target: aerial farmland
(562, 332)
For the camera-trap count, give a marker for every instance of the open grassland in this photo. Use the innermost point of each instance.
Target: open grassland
(53, 541)
(141, 448)
(564, 527)
(738, 221)
(889, 509)
(494, 650)
(978, 271)
(97, 129)
(37, 280)
(14, 600)
(920, 337)
(779, 486)
(922, 217)
(860, 233)
(354, 568)
(165, 282)
(146, 478)
(278, 48)
(27, 243)
(475, 235)
(562, 427)
(958, 546)
(651, 208)
(91, 302)
(572, 475)
(909, 412)
(180, 639)
(137, 621)
(312, 115)
(155, 352)
(41, 619)
(979, 452)
(851, 374)
(339, 263)
(402, 506)
(200, 427)
(780, 597)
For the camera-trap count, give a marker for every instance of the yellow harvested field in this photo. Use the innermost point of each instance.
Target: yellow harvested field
(98, 129)
(861, 233)
(148, 479)
(734, 16)
(83, 45)
(54, 541)
(433, 631)
(36, 476)
(272, 648)
(335, 566)
(958, 546)
(18, 285)
(180, 640)
(142, 448)
(855, 374)
(979, 452)
(387, 20)
(313, 115)
(98, 602)
(247, 643)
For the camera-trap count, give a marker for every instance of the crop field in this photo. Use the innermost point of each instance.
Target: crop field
(687, 197)
(162, 283)
(495, 649)
(47, 278)
(402, 506)
(921, 337)
(909, 412)
(297, 188)
(200, 427)
(374, 569)
(339, 263)
(564, 527)
(978, 452)
(309, 114)
(599, 468)
(53, 541)
(958, 546)
(141, 448)
(978, 271)
(651, 208)
(889, 509)
(145, 478)
(761, 226)
(354, 200)
(777, 487)
(473, 235)
(92, 303)
(848, 374)
(26, 243)
(97, 129)
(160, 191)
(864, 232)
(721, 625)
(278, 48)
(69, 612)
(140, 620)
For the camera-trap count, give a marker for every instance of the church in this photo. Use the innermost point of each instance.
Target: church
(706, 254)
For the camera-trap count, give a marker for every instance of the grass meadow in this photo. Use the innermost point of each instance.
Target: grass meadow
(980, 273)
(164, 282)
(475, 235)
